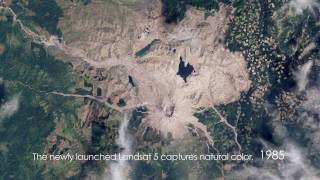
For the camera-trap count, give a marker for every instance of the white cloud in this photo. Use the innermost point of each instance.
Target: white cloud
(120, 169)
(301, 75)
(309, 118)
(10, 107)
(309, 115)
(300, 5)
(295, 166)
(313, 101)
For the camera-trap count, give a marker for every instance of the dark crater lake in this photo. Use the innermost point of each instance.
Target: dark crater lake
(184, 70)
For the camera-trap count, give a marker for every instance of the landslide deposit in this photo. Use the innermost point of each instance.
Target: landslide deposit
(171, 69)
